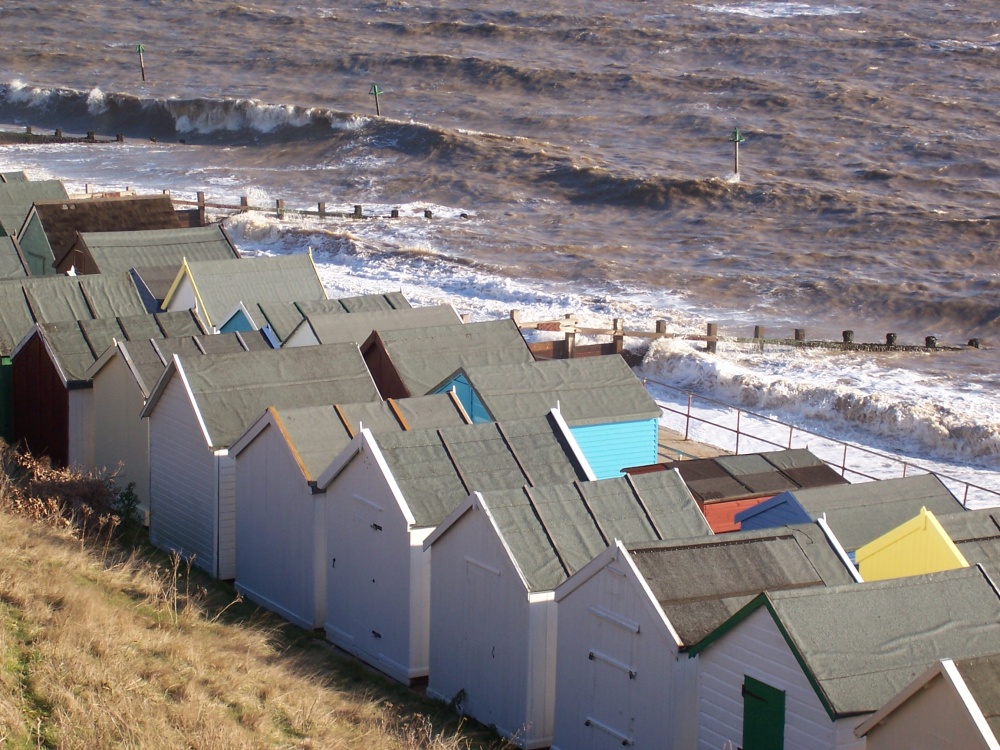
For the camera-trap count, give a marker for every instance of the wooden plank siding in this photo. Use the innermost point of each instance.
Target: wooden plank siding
(757, 649)
(182, 478)
(612, 447)
(40, 403)
(227, 517)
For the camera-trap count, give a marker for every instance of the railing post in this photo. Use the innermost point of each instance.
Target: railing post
(843, 462)
(687, 420)
(738, 413)
(201, 208)
(618, 337)
(791, 429)
(904, 469)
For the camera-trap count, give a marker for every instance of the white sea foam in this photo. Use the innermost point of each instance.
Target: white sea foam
(238, 114)
(780, 10)
(96, 102)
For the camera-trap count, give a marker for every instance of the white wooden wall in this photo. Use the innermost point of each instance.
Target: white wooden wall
(756, 648)
(480, 628)
(120, 435)
(933, 717)
(609, 616)
(81, 428)
(277, 559)
(184, 298)
(182, 480)
(368, 578)
(227, 517)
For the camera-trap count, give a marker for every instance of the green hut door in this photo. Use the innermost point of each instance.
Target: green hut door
(763, 716)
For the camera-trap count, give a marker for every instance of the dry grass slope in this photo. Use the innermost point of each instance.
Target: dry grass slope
(105, 646)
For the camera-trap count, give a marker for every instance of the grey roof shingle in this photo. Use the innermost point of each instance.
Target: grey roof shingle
(976, 533)
(588, 390)
(76, 345)
(319, 433)
(149, 357)
(232, 390)
(554, 530)
(981, 675)
(424, 357)
(700, 584)
(117, 252)
(865, 642)
(859, 513)
(16, 198)
(23, 302)
(331, 328)
(223, 285)
(285, 317)
(437, 469)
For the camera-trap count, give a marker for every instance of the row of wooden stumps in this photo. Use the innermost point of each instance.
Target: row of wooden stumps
(569, 347)
(280, 211)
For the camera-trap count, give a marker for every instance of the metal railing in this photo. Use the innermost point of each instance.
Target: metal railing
(837, 453)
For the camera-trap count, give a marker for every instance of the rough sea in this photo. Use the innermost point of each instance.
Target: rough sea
(576, 158)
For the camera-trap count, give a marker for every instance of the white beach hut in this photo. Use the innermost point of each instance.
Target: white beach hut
(281, 559)
(495, 562)
(626, 620)
(200, 407)
(387, 493)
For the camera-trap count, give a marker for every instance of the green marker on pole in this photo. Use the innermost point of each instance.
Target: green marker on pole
(142, 65)
(737, 138)
(375, 91)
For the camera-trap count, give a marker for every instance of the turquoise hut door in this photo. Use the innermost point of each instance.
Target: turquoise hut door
(763, 716)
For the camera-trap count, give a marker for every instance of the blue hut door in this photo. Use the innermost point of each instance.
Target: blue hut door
(763, 716)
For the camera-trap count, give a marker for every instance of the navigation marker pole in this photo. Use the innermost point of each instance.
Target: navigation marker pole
(375, 91)
(737, 138)
(142, 65)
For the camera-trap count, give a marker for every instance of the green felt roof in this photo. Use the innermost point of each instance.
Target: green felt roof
(424, 357)
(11, 260)
(17, 197)
(438, 469)
(116, 252)
(76, 345)
(588, 390)
(222, 285)
(23, 302)
(861, 644)
(319, 434)
(859, 513)
(700, 584)
(331, 328)
(232, 390)
(554, 530)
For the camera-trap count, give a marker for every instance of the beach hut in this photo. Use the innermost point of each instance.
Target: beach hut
(727, 485)
(17, 197)
(954, 705)
(920, 545)
(12, 262)
(976, 534)
(414, 362)
(627, 619)
(24, 302)
(122, 379)
(385, 495)
(802, 669)
(118, 252)
(281, 558)
(53, 402)
(222, 293)
(612, 416)
(199, 407)
(334, 327)
(858, 513)
(51, 226)
(495, 563)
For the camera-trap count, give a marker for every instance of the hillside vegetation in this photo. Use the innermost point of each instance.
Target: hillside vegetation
(106, 642)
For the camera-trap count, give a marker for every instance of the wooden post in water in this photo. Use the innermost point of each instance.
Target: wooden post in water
(201, 208)
(358, 211)
(394, 214)
(279, 208)
(244, 204)
(930, 342)
(758, 335)
(322, 210)
(661, 327)
(713, 338)
(848, 337)
(428, 214)
(890, 339)
(800, 334)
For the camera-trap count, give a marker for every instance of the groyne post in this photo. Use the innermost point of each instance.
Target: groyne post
(712, 340)
(201, 208)
(279, 208)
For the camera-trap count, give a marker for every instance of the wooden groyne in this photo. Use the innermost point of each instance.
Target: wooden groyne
(29, 136)
(568, 346)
